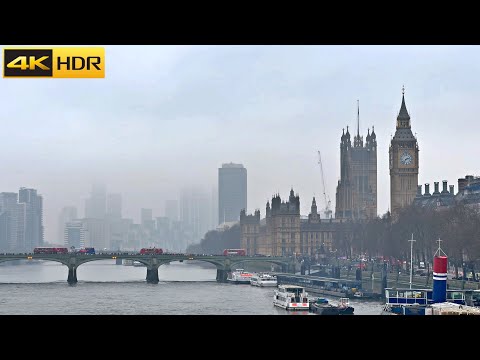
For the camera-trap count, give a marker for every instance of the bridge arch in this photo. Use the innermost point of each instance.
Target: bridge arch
(61, 261)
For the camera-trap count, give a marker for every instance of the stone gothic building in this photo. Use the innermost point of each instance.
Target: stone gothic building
(283, 232)
(404, 162)
(356, 196)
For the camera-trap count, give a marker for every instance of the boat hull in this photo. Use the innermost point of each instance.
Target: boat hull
(331, 310)
(292, 306)
(239, 281)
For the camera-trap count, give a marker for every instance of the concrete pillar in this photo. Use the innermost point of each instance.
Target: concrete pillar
(72, 274)
(152, 275)
(284, 268)
(384, 279)
(302, 269)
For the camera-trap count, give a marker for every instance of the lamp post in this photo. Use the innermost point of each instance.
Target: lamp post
(411, 259)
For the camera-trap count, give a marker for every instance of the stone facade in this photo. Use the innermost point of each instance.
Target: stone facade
(404, 163)
(284, 233)
(356, 196)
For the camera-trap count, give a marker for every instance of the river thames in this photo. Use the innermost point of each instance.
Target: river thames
(104, 288)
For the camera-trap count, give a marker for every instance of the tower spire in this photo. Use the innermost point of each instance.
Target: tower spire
(403, 118)
(358, 118)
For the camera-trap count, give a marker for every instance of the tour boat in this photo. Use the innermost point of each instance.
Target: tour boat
(239, 276)
(263, 280)
(291, 297)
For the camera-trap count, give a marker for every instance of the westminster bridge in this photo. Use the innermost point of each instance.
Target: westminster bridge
(152, 262)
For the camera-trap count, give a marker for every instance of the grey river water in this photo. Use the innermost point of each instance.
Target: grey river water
(104, 288)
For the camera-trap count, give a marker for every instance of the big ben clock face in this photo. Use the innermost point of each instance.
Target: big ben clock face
(406, 158)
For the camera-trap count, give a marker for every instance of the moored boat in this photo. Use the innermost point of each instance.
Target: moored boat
(323, 307)
(435, 301)
(291, 297)
(239, 276)
(263, 280)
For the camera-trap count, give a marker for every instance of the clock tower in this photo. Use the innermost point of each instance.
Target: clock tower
(403, 155)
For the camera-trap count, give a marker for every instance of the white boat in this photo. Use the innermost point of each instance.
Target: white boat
(239, 276)
(291, 297)
(263, 280)
(127, 262)
(138, 263)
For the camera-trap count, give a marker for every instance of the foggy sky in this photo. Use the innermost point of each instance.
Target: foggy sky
(166, 117)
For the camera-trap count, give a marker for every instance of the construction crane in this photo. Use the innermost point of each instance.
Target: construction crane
(327, 211)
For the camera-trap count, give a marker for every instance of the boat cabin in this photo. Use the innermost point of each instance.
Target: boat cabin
(395, 296)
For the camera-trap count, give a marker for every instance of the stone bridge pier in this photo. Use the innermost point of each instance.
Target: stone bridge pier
(223, 270)
(152, 270)
(72, 274)
(222, 275)
(152, 274)
(72, 270)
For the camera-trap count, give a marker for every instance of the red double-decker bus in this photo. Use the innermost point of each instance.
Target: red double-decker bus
(237, 252)
(50, 250)
(146, 251)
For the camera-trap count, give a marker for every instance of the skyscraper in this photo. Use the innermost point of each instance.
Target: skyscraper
(9, 214)
(146, 216)
(33, 218)
(95, 206)
(232, 192)
(114, 206)
(74, 234)
(67, 214)
(171, 210)
(404, 162)
(194, 214)
(147, 221)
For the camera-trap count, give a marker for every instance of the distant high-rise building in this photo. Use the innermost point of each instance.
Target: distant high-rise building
(147, 221)
(67, 214)
(4, 234)
(194, 214)
(214, 209)
(114, 206)
(146, 216)
(95, 206)
(232, 192)
(171, 210)
(119, 229)
(97, 233)
(33, 217)
(9, 214)
(74, 234)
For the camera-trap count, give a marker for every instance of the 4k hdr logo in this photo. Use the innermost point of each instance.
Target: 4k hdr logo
(68, 62)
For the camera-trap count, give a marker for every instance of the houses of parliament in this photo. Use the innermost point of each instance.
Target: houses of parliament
(284, 231)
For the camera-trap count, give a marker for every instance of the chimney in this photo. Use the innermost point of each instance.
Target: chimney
(419, 190)
(445, 191)
(451, 189)
(436, 192)
(462, 184)
(427, 190)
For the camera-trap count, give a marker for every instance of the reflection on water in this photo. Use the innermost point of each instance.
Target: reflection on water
(106, 288)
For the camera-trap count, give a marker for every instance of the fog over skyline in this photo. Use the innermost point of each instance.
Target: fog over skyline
(167, 117)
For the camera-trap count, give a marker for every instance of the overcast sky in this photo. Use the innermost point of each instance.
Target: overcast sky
(166, 117)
